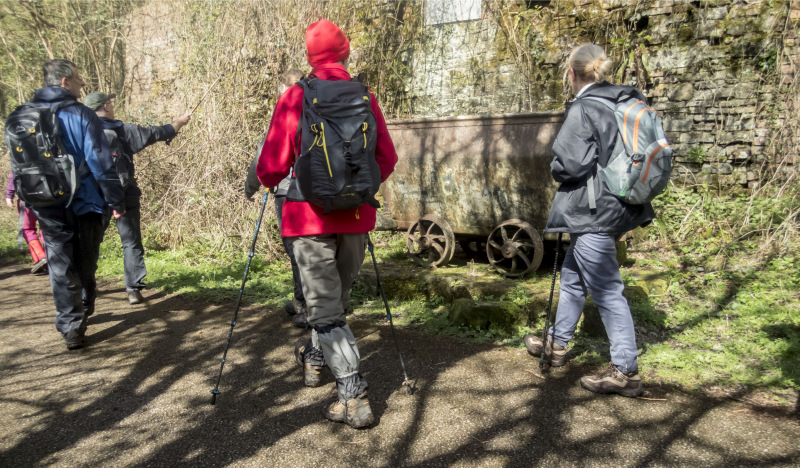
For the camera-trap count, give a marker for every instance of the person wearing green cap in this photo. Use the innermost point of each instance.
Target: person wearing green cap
(125, 140)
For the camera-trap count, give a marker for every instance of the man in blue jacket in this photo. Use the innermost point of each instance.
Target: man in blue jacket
(73, 233)
(125, 140)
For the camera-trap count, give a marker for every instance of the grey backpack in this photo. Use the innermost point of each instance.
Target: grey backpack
(640, 165)
(44, 173)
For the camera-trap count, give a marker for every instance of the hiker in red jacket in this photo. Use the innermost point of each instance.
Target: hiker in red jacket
(329, 248)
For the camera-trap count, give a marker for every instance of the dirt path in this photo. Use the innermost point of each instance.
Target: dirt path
(139, 395)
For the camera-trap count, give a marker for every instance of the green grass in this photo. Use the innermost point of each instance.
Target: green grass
(712, 307)
(9, 250)
(204, 270)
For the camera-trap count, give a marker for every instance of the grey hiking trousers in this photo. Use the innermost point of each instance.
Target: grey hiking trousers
(328, 264)
(590, 266)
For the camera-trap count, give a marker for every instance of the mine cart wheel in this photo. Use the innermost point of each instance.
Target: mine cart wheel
(473, 247)
(514, 248)
(430, 241)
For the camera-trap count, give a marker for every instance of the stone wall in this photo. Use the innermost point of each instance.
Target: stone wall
(721, 73)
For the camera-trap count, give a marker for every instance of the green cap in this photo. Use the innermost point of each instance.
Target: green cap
(96, 99)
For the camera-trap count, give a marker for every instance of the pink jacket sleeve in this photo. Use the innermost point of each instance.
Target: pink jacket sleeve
(10, 187)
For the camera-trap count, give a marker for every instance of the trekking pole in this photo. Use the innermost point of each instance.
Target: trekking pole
(544, 361)
(406, 383)
(206, 93)
(215, 391)
(191, 112)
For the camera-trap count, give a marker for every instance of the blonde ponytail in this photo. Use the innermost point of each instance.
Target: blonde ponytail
(590, 63)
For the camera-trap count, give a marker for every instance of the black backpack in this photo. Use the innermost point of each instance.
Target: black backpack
(121, 154)
(335, 166)
(44, 174)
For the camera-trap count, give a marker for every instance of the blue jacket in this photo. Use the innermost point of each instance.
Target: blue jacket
(83, 138)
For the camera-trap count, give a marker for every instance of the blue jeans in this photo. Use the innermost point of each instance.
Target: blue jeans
(590, 266)
(129, 227)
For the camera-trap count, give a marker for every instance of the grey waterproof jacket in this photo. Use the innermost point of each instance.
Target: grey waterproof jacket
(252, 184)
(131, 139)
(587, 138)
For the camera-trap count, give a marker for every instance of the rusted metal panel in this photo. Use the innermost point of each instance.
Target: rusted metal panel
(475, 171)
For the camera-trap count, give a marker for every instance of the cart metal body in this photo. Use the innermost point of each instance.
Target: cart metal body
(465, 177)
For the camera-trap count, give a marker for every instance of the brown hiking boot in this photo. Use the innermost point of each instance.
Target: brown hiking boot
(356, 412)
(556, 352)
(311, 374)
(335, 411)
(613, 380)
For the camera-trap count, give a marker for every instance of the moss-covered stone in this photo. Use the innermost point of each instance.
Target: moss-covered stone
(483, 315)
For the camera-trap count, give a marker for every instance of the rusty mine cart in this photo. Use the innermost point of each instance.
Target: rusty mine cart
(481, 181)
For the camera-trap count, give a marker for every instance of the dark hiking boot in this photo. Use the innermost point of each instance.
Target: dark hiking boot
(311, 374)
(356, 412)
(300, 320)
(289, 308)
(88, 308)
(613, 380)
(39, 266)
(135, 296)
(556, 352)
(77, 342)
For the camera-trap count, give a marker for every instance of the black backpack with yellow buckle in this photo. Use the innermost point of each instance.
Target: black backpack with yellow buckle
(335, 167)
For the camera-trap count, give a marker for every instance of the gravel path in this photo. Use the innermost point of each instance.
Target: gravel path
(139, 395)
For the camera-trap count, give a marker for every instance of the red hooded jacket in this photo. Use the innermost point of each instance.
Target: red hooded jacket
(278, 155)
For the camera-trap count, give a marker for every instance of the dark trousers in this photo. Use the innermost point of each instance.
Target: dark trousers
(73, 247)
(287, 245)
(129, 227)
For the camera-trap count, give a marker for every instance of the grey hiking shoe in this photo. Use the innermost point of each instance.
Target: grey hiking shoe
(556, 352)
(613, 380)
(135, 296)
(355, 412)
(76, 342)
(39, 266)
(311, 374)
(300, 320)
(294, 307)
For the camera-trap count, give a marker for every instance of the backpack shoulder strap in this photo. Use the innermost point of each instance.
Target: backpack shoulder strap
(590, 182)
(63, 104)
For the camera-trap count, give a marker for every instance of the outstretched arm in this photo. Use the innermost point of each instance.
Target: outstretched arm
(139, 137)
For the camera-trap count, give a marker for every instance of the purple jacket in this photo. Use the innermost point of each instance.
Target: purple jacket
(10, 188)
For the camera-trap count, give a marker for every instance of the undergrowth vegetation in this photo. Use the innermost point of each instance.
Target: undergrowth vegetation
(713, 283)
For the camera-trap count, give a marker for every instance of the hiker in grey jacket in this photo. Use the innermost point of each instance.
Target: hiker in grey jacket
(590, 266)
(125, 140)
(297, 306)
